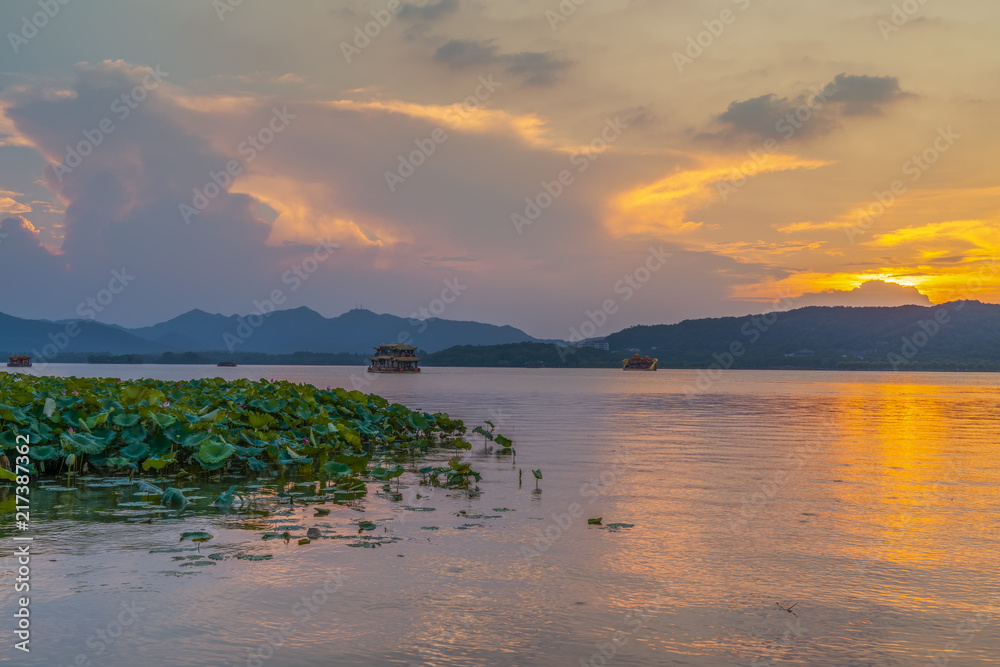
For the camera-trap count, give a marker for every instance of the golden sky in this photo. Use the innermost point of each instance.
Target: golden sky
(776, 150)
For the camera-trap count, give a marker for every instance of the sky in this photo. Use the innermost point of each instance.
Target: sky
(532, 163)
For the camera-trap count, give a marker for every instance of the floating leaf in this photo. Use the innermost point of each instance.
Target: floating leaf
(196, 536)
(595, 522)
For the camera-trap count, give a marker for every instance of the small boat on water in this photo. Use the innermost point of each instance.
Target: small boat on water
(639, 363)
(19, 361)
(227, 364)
(394, 358)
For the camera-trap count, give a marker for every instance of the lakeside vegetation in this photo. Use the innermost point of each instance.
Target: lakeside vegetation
(112, 427)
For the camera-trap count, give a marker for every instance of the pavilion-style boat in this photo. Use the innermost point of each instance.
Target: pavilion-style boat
(394, 358)
(639, 363)
(19, 361)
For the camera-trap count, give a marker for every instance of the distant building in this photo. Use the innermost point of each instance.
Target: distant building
(596, 344)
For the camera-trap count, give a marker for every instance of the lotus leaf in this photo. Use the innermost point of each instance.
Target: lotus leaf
(197, 536)
(82, 442)
(213, 452)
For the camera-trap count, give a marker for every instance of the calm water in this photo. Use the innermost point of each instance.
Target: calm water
(870, 502)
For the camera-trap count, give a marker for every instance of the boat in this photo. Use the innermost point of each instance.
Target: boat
(19, 361)
(394, 358)
(639, 363)
(227, 364)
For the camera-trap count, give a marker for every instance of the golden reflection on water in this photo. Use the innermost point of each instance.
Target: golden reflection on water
(869, 500)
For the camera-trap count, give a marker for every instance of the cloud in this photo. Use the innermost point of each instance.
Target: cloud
(431, 11)
(870, 293)
(863, 95)
(9, 206)
(808, 114)
(460, 53)
(536, 68)
(665, 206)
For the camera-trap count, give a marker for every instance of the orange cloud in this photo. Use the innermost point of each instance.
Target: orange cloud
(303, 215)
(528, 127)
(663, 206)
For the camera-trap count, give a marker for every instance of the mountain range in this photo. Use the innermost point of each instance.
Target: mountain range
(950, 334)
(279, 332)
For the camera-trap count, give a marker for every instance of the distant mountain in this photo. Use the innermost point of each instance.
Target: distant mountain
(195, 330)
(304, 330)
(43, 339)
(282, 332)
(959, 333)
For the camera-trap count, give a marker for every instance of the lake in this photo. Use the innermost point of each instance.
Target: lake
(799, 518)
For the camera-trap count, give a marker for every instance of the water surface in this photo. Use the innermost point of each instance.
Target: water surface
(869, 501)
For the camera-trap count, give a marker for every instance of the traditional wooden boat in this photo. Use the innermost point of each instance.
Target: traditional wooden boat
(227, 364)
(639, 363)
(19, 361)
(394, 358)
